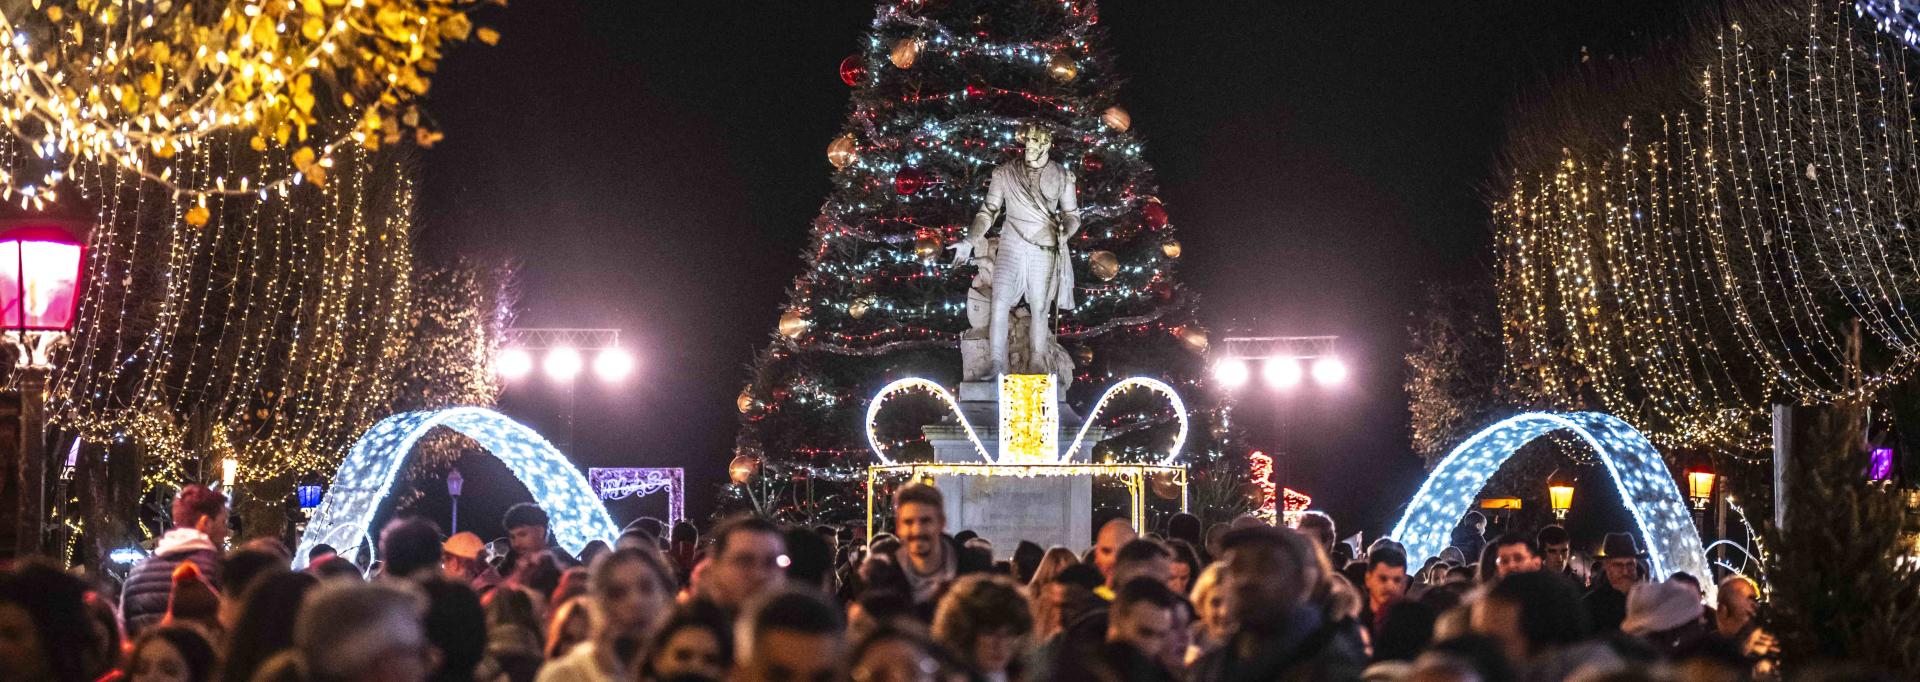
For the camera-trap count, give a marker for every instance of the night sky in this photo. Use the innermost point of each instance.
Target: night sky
(654, 166)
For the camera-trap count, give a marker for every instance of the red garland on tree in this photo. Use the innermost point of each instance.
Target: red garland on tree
(852, 70)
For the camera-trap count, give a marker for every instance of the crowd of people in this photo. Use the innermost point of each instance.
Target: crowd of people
(757, 601)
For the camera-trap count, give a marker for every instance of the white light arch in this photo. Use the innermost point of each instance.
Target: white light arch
(1638, 472)
(576, 513)
(946, 398)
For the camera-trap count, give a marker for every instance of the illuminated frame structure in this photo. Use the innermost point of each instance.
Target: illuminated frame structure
(363, 480)
(1134, 475)
(622, 482)
(1638, 472)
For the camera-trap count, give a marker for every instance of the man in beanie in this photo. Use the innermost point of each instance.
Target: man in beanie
(1665, 614)
(460, 559)
(199, 531)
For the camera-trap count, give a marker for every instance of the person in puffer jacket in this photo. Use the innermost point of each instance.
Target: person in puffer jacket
(199, 531)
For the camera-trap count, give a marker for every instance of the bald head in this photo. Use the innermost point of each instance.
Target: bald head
(1114, 535)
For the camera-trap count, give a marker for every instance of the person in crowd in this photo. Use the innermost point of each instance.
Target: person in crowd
(876, 609)
(791, 635)
(1026, 560)
(460, 559)
(695, 643)
(895, 653)
(1056, 560)
(1186, 566)
(810, 559)
(1541, 625)
(630, 591)
(1270, 576)
(170, 654)
(335, 566)
(349, 631)
(198, 534)
(927, 556)
(194, 603)
(1139, 558)
(528, 537)
(264, 626)
(411, 548)
(1319, 528)
(572, 583)
(1187, 528)
(1151, 619)
(1212, 545)
(985, 621)
(571, 624)
(1113, 535)
(1471, 535)
(1556, 552)
(595, 548)
(106, 628)
(239, 569)
(513, 636)
(1063, 599)
(683, 547)
(1404, 632)
(320, 553)
(1515, 553)
(1620, 570)
(1463, 658)
(1386, 584)
(45, 633)
(456, 628)
(1666, 615)
(749, 557)
(1212, 625)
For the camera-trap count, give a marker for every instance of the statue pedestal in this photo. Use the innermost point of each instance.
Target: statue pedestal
(1007, 508)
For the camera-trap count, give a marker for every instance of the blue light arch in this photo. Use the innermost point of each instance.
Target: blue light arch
(1639, 473)
(345, 514)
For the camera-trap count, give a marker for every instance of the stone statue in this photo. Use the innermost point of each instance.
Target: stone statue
(1027, 262)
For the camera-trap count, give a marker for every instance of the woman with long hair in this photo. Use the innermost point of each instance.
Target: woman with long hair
(513, 635)
(571, 624)
(170, 653)
(630, 591)
(1056, 559)
(1212, 626)
(264, 627)
(695, 643)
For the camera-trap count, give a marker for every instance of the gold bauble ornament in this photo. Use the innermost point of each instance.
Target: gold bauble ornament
(1165, 485)
(793, 323)
(1117, 119)
(1103, 264)
(859, 307)
(906, 52)
(742, 468)
(1062, 67)
(745, 402)
(927, 247)
(1171, 247)
(1194, 336)
(841, 152)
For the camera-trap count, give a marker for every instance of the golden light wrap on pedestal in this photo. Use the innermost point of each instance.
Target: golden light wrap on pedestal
(1029, 419)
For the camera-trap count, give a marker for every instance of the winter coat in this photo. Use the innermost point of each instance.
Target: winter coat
(149, 586)
(1309, 648)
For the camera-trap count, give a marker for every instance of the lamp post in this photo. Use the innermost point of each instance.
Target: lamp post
(1700, 478)
(40, 269)
(1559, 495)
(454, 483)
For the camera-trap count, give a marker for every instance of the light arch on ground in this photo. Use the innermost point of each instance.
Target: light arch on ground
(364, 479)
(1639, 474)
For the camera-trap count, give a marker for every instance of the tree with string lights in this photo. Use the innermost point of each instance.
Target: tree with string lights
(940, 89)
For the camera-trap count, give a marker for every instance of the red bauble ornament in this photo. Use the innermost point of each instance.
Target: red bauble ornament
(852, 70)
(910, 180)
(1092, 163)
(1154, 214)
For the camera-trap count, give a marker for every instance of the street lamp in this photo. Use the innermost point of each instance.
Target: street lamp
(564, 357)
(229, 472)
(41, 264)
(1281, 372)
(1700, 479)
(1231, 372)
(454, 482)
(1559, 495)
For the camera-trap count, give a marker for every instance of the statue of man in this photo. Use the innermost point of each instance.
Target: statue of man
(1030, 261)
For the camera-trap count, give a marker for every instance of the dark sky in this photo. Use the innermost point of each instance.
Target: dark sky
(654, 166)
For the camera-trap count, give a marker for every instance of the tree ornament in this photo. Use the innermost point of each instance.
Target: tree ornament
(910, 180)
(1195, 336)
(793, 323)
(906, 52)
(1062, 67)
(745, 402)
(1092, 163)
(926, 246)
(1171, 248)
(859, 307)
(1104, 265)
(1164, 485)
(841, 152)
(1117, 119)
(742, 468)
(197, 216)
(1154, 213)
(1085, 354)
(853, 69)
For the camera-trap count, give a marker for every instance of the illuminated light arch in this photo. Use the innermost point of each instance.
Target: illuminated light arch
(1639, 474)
(577, 515)
(915, 383)
(1155, 385)
(910, 384)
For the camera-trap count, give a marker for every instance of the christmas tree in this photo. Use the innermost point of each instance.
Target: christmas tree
(940, 92)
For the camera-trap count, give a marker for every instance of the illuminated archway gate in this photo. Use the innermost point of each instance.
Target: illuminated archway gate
(364, 478)
(1639, 473)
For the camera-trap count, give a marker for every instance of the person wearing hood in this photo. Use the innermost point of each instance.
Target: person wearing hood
(199, 531)
(1667, 615)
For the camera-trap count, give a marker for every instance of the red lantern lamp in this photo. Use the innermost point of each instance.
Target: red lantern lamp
(40, 266)
(1700, 486)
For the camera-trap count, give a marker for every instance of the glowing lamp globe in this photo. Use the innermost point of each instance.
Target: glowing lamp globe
(1232, 373)
(562, 364)
(514, 364)
(40, 277)
(1282, 372)
(1700, 486)
(455, 482)
(612, 365)
(1560, 497)
(1329, 371)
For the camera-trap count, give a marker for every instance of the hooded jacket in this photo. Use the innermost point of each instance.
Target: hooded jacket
(143, 599)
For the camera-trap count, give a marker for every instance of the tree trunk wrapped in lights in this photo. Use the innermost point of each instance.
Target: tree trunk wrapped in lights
(940, 89)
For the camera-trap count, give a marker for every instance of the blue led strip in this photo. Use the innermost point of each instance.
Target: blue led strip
(576, 513)
(1639, 474)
